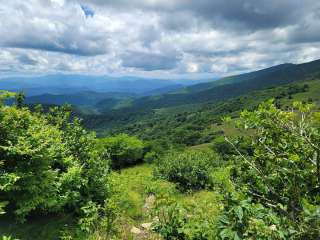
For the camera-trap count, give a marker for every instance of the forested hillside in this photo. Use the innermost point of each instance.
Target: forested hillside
(232, 86)
(197, 118)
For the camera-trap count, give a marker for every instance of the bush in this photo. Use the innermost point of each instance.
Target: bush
(190, 169)
(151, 157)
(49, 163)
(243, 219)
(123, 150)
(280, 181)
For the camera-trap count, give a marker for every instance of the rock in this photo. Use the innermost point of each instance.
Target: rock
(156, 219)
(149, 202)
(273, 227)
(146, 226)
(135, 230)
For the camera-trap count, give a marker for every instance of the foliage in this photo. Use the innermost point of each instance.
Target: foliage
(151, 157)
(8, 238)
(187, 220)
(49, 163)
(123, 150)
(223, 148)
(20, 98)
(189, 169)
(243, 219)
(281, 179)
(226, 150)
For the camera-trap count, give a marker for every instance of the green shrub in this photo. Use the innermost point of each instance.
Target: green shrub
(49, 163)
(189, 169)
(281, 179)
(151, 157)
(123, 150)
(243, 219)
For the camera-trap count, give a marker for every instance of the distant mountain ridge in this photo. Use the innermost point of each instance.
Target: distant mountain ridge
(135, 94)
(71, 84)
(233, 86)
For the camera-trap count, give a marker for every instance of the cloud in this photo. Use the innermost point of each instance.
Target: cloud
(149, 61)
(156, 37)
(26, 60)
(307, 31)
(246, 13)
(54, 26)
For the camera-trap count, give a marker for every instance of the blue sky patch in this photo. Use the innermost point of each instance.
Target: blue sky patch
(87, 11)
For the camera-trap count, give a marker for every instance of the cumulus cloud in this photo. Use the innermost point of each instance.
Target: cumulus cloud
(250, 14)
(50, 26)
(161, 37)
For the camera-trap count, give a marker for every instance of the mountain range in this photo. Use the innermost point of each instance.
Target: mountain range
(86, 90)
(70, 84)
(232, 86)
(193, 108)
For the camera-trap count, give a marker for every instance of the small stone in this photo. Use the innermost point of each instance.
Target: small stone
(273, 227)
(149, 202)
(146, 226)
(135, 230)
(156, 219)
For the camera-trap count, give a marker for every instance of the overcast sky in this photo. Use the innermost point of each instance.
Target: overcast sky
(156, 37)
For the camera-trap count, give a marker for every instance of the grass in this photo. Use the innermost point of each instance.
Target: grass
(137, 183)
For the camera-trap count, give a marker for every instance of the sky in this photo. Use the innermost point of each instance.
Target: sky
(156, 38)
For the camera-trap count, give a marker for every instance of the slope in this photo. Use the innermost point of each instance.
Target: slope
(194, 124)
(232, 86)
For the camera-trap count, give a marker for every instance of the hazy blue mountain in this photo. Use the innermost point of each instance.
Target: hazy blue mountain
(70, 84)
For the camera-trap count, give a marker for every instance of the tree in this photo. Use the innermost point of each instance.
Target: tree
(20, 97)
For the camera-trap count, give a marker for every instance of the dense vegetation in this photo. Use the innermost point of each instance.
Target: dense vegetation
(270, 193)
(50, 165)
